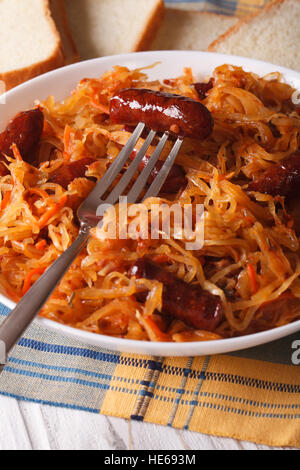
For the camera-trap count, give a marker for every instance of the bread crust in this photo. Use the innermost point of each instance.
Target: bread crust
(15, 77)
(60, 17)
(144, 41)
(248, 19)
(181, 15)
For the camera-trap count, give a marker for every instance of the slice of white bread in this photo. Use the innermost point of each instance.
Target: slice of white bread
(190, 30)
(107, 27)
(29, 41)
(59, 15)
(273, 35)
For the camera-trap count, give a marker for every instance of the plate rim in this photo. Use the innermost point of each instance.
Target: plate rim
(163, 349)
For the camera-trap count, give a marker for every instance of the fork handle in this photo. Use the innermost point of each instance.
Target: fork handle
(32, 302)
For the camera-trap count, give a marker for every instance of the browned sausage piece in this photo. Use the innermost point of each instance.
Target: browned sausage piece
(25, 131)
(162, 112)
(67, 173)
(191, 304)
(270, 312)
(203, 88)
(176, 178)
(281, 179)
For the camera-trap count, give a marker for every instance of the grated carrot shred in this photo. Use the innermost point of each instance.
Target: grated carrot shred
(41, 245)
(252, 278)
(104, 109)
(51, 212)
(29, 276)
(155, 329)
(5, 200)
(67, 138)
(43, 194)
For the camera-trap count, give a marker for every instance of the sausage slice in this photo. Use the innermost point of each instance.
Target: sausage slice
(191, 304)
(25, 130)
(281, 179)
(67, 173)
(162, 112)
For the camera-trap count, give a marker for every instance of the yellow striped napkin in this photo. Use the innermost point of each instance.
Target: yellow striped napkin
(232, 7)
(254, 398)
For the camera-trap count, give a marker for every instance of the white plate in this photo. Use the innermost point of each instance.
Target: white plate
(60, 83)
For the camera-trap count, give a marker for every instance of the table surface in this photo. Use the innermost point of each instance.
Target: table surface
(29, 426)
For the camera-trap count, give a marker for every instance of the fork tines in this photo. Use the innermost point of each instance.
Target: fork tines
(143, 177)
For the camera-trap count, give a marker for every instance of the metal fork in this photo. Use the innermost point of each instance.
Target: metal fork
(32, 302)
